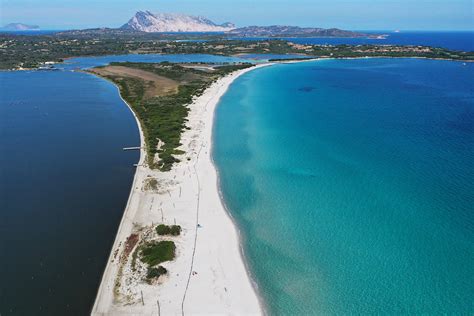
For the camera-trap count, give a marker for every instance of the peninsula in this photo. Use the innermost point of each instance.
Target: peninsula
(177, 250)
(203, 158)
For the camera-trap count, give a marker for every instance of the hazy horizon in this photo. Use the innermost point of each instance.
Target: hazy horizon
(385, 15)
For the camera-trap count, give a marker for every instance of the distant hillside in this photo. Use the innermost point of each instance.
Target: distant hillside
(292, 31)
(102, 31)
(147, 24)
(146, 21)
(19, 27)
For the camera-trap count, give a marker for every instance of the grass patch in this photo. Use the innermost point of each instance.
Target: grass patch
(173, 230)
(155, 253)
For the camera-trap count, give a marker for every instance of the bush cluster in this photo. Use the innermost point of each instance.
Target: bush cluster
(173, 230)
(154, 253)
(155, 272)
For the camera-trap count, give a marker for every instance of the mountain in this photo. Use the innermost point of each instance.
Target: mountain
(19, 27)
(146, 21)
(292, 31)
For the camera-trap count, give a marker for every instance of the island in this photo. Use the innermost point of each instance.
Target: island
(19, 27)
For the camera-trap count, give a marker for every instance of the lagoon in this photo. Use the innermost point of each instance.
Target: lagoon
(64, 184)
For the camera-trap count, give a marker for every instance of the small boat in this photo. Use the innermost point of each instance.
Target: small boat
(50, 68)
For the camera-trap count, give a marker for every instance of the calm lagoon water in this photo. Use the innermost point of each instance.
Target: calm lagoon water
(352, 184)
(64, 183)
(89, 62)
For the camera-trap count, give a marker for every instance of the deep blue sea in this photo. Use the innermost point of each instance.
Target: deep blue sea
(352, 182)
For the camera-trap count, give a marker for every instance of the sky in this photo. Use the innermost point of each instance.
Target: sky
(345, 14)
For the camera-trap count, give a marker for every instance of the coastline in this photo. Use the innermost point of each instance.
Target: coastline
(209, 273)
(264, 61)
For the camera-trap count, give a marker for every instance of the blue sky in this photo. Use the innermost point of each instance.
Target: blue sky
(348, 14)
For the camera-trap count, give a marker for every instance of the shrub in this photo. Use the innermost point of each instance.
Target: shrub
(155, 272)
(163, 229)
(151, 184)
(173, 230)
(155, 253)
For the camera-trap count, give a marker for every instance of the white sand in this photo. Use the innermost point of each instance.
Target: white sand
(208, 275)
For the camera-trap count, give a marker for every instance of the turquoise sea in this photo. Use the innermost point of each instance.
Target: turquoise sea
(352, 182)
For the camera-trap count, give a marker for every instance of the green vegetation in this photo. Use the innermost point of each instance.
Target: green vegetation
(173, 230)
(20, 51)
(154, 253)
(154, 273)
(347, 51)
(163, 117)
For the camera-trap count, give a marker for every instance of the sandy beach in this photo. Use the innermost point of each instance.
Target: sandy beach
(208, 275)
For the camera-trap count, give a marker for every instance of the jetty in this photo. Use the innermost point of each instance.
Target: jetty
(132, 148)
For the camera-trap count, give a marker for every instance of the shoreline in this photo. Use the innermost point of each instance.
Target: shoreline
(141, 159)
(196, 252)
(215, 277)
(264, 61)
(214, 103)
(226, 209)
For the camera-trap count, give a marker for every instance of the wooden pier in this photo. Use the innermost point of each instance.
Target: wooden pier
(132, 148)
